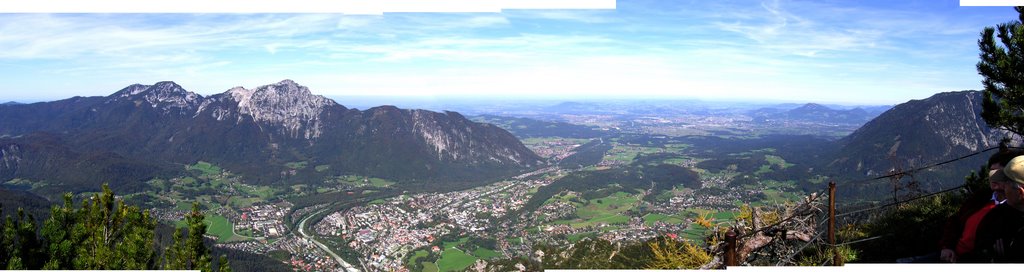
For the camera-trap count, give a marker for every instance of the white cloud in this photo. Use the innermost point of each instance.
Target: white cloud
(348, 22)
(654, 47)
(581, 16)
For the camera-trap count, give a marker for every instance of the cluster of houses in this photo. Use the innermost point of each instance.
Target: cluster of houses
(265, 220)
(386, 233)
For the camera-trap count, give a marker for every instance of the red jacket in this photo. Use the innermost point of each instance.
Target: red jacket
(955, 224)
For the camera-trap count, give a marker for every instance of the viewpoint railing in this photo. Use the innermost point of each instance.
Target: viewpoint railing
(727, 253)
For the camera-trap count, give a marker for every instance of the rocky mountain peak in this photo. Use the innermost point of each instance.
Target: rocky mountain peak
(942, 126)
(165, 95)
(251, 131)
(285, 103)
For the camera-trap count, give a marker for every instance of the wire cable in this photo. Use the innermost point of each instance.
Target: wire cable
(823, 221)
(901, 201)
(914, 170)
(860, 240)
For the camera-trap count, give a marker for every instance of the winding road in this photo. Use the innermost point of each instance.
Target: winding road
(302, 231)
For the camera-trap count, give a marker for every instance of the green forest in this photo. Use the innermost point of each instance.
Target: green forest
(103, 233)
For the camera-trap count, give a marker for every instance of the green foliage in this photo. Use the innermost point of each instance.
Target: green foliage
(607, 209)
(977, 181)
(113, 235)
(911, 229)
(822, 255)
(223, 264)
(222, 228)
(486, 253)
(296, 165)
(19, 244)
(1000, 65)
(414, 261)
(671, 254)
(189, 252)
(656, 253)
(280, 255)
(207, 169)
(585, 254)
(103, 234)
(586, 155)
(454, 260)
(652, 218)
(57, 230)
(595, 184)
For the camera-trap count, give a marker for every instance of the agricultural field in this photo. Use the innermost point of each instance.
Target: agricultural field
(453, 256)
(243, 202)
(220, 193)
(621, 154)
(24, 183)
(652, 218)
(485, 253)
(608, 210)
(695, 231)
(544, 140)
(218, 226)
(453, 259)
(183, 206)
(419, 254)
(263, 192)
(361, 181)
(296, 165)
(207, 169)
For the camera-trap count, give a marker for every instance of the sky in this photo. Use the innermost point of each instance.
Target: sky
(844, 52)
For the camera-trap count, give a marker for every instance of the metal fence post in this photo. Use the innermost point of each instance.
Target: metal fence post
(836, 261)
(730, 248)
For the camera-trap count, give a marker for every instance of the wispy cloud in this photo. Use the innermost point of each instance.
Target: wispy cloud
(645, 46)
(579, 16)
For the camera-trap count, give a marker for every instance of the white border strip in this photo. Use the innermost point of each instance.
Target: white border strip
(371, 7)
(991, 3)
(857, 267)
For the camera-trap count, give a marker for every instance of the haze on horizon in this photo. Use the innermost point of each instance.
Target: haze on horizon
(860, 52)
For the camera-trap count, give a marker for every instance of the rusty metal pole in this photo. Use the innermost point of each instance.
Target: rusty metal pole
(730, 248)
(832, 222)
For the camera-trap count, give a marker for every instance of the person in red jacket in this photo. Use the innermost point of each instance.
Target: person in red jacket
(960, 231)
(1001, 234)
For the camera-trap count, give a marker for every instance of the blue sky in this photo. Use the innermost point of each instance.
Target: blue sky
(847, 52)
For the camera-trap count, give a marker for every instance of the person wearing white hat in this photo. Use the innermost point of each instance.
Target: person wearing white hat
(1001, 233)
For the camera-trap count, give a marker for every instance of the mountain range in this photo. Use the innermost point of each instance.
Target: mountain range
(283, 133)
(812, 112)
(145, 131)
(943, 126)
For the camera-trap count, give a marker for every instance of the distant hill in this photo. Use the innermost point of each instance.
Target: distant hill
(12, 200)
(574, 108)
(10, 103)
(812, 112)
(944, 126)
(873, 109)
(876, 110)
(532, 128)
(144, 131)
